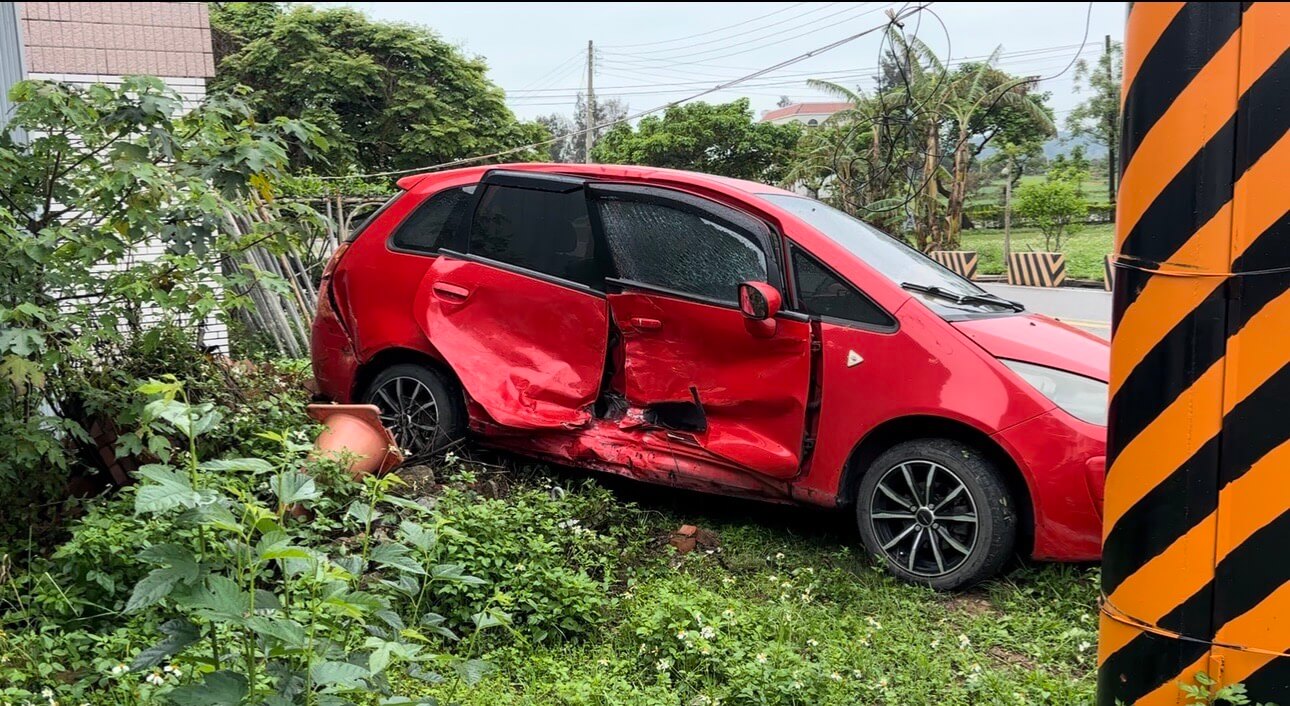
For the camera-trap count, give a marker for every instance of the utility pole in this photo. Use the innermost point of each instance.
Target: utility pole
(1111, 131)
(1007, 213)
(589, 137)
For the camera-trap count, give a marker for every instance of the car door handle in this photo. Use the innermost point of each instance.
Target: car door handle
(643, 324)
(450, 292)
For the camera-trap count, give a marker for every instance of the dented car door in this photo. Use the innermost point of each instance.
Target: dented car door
(521, 315)
(691, 361)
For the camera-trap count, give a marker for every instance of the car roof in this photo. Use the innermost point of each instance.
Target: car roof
(619, 171)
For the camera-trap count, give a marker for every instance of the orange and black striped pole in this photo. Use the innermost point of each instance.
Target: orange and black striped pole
(1196, 537)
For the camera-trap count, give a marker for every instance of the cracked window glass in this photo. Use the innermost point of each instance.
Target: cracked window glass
(679, 250)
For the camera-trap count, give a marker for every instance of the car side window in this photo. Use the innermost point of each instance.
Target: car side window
(680, 249)
(821, 293)
(431, 226)
(544, 231)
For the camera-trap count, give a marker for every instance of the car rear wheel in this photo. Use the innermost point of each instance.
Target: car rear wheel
(422, 409)
(937, 512)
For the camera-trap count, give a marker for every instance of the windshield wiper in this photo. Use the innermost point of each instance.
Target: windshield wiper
(985, 298)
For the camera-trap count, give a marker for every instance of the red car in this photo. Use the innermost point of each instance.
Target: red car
(725, 336)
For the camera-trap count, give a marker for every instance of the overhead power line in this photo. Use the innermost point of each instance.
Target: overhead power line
(895, 17)
(708, 32)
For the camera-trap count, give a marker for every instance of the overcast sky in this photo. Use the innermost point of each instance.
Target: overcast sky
(652, 53)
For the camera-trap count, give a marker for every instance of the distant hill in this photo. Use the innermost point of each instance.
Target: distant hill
(1064, 142)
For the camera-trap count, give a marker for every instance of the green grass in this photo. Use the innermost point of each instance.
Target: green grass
(1084, 251)
(796, 615)
(1093, 187)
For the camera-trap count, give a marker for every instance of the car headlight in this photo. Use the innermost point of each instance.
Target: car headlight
(1081, 397)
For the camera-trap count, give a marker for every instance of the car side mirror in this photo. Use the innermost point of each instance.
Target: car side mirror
(759, 301)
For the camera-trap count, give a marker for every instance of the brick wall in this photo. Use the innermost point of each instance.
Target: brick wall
(169, 39)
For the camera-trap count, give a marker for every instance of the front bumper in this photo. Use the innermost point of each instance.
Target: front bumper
(1064, 462)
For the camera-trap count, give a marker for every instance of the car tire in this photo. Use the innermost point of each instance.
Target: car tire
(423, 408)
(967, 510)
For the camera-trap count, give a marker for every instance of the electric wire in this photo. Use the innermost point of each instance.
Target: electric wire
(894, 18)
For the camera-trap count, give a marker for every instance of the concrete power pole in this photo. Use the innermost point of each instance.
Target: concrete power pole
(1112, 144)
(589, 138)
(1007, 213)
(1196, 504)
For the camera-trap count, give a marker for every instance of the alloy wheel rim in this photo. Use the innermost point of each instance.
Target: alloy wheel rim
(924, 518)
(408, 408)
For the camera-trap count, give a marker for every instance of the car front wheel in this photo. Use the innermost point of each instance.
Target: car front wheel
(421, 408)
(937, 512)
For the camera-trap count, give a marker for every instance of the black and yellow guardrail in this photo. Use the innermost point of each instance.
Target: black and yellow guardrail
(960, 262)
(1036, 269)
(1195, 575)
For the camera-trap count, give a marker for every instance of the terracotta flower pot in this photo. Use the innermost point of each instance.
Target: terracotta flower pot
(355, 431)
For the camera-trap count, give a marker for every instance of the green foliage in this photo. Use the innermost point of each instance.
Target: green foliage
(1204, 693)
(89, 179)
(1055, 207)
(1085, 251)
(1098, 116)
(720, 138)
(387, 96)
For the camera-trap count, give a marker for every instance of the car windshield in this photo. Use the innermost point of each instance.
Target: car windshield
(936, 285)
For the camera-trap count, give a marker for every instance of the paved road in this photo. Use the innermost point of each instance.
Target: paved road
(1089, 309)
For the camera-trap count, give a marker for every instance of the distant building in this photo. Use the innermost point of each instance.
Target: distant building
(808, 114)
(99, 42)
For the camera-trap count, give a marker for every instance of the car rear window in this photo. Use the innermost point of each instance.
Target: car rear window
(435, 220)
(547, 232)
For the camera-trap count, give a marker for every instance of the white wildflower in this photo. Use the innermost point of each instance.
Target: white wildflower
(47, 693)
(964, 642)
(707, 632)
(797, 685)
(728, 614)
(603, 662)
(155, 679)
(682, 635)
(120, 669)
(761, 658)
(1083, 646)
(835, 676)
(813, 642)
(779, 556)
(664, 664)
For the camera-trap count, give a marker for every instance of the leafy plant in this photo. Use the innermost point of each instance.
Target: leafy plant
(113, 213)
(255, 607)
(1206, 692)
(1055, 208)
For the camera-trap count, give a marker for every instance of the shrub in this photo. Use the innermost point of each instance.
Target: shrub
(1055, 207)
(89, 177)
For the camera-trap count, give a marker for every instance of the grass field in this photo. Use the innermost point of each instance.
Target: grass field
(1084, 251)
(1093, 187)
(781, 608)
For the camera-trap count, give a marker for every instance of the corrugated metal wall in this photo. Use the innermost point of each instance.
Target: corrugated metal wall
(11, 66)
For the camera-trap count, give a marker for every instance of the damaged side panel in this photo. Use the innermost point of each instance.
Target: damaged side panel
(528, 351)
(750, 384)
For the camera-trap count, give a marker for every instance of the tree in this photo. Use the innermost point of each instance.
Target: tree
(983, 102)
(386, 96)
(1054, 207)
(1072, 167)
(716, 138)
(101, 174)
(573, 149)
(1098, 117)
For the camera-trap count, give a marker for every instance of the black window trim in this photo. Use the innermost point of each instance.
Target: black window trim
(451, 237)
(794, 248)
(516, 269)
(765, 235)
(532, 181)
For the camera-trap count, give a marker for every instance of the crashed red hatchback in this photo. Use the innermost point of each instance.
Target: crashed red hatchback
(723, 336)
